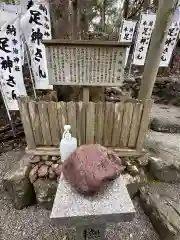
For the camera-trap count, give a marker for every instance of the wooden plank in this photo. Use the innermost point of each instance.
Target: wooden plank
(118, 117)
(62, 116)
(79, 106)
(86, 43)
(44, 119)
(39, 152)
(47, 148)
(99, 122)
(83, 132)
(35, 119)
(85, 94)
(71, 117)
(128, 152)
(143, 129)
(90, 122)
(51, 151)
(81, 118)
(53, 122)
(26, 120)
(126, 123)
(108, 123)
(135, 123)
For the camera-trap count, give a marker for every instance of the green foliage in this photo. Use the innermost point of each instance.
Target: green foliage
(113, 16)
(100, 3)
(7, 1)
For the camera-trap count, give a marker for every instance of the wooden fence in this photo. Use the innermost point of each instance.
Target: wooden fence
(120, 125)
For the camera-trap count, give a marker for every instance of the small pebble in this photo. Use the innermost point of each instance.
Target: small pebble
(45, 158)
(35, 159)
(43, 171)
(54, 166)
(48, 163)
(132, 169)
(33, 175)
(54, 158)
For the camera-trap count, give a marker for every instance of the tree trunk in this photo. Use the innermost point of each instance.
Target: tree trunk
(102, 15)
(82, 19)
(156, 3)
(146, 5)
(126, 8)
(75, 28)
(61, 25)
(84, 26)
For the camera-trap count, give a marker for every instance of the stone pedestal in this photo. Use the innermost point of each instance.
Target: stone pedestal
(89, 215)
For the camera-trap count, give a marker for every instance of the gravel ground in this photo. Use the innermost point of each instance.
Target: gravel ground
(33, 223)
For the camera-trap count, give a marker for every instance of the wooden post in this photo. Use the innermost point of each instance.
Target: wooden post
(163, 20)
(85, 94)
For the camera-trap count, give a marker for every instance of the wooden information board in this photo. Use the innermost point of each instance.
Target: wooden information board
(85, 63)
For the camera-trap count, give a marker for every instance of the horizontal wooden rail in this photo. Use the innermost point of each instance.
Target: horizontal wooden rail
(51, 151)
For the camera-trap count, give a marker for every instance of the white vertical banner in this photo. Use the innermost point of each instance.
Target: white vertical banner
(127, 55)
(127, 31)
(10, 63)
(7, 13)
(171, 39)
(126, 34)
(169, 44)
(11, 8)
(27, 4)
(146, 26)
(6, 16)
(176, 17)
(36, 27)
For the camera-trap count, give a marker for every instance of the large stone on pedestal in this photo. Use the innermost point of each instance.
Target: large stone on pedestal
(17, 183)
(161, 202)
(87, 159)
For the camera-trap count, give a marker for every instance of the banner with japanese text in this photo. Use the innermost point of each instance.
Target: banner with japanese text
(171, 39)
(10, 63)
(6, 16)
(169, 44)
(9, 12)
(27, 4)
(36, 27)
(126, 34)
(146, 26)
(11, 8)
(127, 31)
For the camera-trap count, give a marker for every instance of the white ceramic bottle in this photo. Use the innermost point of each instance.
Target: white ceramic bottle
(68, 143)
